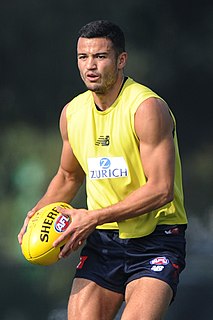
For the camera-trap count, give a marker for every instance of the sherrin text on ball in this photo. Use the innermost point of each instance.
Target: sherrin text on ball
(46, 225)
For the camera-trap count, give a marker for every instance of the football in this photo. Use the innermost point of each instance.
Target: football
(45, 226)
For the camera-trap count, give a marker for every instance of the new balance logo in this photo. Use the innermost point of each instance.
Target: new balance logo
(103, 141)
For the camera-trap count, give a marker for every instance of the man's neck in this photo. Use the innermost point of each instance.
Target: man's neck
(104, 101)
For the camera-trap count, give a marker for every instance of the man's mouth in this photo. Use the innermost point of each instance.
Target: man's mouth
(92, 77)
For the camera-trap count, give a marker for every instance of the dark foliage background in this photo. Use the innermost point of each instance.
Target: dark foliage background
(170, 45)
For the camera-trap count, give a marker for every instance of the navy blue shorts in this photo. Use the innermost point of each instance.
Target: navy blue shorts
(112, 262)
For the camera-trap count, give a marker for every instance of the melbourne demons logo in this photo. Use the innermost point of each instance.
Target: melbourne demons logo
(61, 223)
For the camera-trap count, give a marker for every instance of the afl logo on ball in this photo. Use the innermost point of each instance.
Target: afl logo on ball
(61, 223)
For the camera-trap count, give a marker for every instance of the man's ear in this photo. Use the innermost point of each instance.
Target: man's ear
(122, 60)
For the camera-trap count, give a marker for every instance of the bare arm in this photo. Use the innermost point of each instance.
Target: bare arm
(67, 180)
(154, 126)
(70, 175)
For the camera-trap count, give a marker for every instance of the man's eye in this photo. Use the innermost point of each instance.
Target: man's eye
(101, 56)
(82, 57)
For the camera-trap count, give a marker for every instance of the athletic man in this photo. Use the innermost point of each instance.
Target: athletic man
(121, 136)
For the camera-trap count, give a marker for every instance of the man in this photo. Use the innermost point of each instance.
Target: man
(121, 136)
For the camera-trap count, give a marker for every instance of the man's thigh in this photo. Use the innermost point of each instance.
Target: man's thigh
(89, 301)
(147, 299)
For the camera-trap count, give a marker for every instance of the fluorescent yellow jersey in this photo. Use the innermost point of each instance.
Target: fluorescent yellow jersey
(107, 148)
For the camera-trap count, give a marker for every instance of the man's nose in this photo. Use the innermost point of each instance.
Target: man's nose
(91, 64)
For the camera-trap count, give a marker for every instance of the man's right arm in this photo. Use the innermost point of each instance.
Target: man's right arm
(67, 181)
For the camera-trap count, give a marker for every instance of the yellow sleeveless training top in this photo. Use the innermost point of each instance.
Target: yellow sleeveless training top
(107, 148)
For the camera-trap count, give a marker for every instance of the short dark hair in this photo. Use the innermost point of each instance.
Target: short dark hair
(104, 29)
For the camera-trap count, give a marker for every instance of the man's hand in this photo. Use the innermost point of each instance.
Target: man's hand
(24, 227)
(81, 226)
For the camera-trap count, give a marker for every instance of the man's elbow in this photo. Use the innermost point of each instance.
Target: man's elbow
(167, 195)
(72, 177)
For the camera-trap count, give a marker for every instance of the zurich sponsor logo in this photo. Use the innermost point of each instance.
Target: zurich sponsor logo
(107, 168)
(105, 163)
(61, 223)
(160, 261)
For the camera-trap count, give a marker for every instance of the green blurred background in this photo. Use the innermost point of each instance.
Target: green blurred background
(170, 49)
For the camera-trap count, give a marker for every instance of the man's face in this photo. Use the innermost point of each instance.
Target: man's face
(97, 64)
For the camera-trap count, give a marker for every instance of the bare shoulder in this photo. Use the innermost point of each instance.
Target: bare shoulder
(153, 119)
(153, 107)
(63, 122)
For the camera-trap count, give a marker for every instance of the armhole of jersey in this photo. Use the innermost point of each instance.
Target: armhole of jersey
(67, 118)
(133, 113)
(174, 122)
